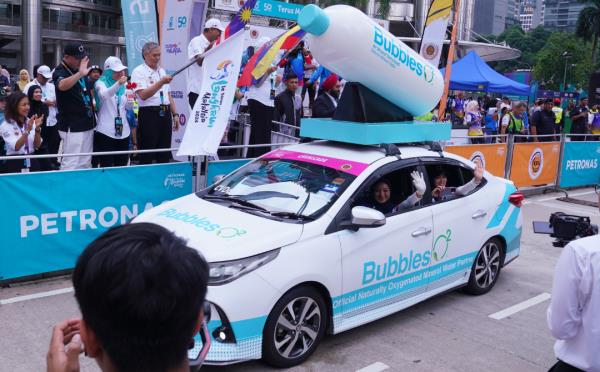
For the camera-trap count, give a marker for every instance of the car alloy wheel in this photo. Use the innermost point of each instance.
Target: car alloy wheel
(487, 265)
(297, 327)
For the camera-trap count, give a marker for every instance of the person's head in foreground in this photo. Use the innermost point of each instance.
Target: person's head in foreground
(141, 292)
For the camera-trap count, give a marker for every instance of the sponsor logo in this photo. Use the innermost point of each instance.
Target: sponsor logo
(203, 223)
(179, 23)
(177, 94)
(582, 164)
(440, 245)
(173, 48)
(536, 163)
(394, 266)
(394, 54)
(478, 155)
(430, 51)
(176, 180)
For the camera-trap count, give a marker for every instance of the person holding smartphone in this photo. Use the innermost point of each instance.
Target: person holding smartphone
(112, 132)
(22, 136)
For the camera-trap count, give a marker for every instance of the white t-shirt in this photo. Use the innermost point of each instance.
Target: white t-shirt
(196, 47)
(143, 76)
(48, 94)
(573, 312)
(11, 132)
(108, 110)
(262, 93)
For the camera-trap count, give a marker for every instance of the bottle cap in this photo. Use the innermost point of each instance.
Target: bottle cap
(313, 20)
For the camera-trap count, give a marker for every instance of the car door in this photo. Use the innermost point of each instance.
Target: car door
(384, 267)
(459, 225)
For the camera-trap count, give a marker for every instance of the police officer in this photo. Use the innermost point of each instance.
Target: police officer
(156, 106)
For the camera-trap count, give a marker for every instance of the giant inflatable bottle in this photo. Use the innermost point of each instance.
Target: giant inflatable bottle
(349, 43)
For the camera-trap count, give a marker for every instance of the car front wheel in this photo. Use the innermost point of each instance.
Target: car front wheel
(486, 268)
(294, 327)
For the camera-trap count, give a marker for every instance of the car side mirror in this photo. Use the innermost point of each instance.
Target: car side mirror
(363, 217)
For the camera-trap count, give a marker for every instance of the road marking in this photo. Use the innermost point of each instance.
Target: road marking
(375, 367)
(520, 306)
(533, 200)
(36, 295)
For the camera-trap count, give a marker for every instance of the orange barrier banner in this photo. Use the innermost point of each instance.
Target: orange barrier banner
(534, 164)
(492, 156)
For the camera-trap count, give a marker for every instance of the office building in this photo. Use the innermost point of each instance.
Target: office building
(561, 15)
(35, 31)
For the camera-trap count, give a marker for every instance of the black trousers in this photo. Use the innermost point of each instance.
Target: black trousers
(17, 165)
(192, 97)
(311, 92)
(51, 140)
(103, 143)
(154, 132)
(261, 118)
(561, 366)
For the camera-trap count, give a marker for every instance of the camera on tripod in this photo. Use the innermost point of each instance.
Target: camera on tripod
(565, 228)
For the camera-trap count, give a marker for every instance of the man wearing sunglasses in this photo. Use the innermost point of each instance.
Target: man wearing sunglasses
(141, 291)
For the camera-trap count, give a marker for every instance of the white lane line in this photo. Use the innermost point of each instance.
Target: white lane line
(36, 295)
(520, 306)
(375, 367)
(533, 200)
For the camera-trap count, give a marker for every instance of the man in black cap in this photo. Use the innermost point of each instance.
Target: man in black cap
(76, 117)
(543, 122)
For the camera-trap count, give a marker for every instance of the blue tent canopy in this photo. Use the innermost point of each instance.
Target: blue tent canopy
(472, 74)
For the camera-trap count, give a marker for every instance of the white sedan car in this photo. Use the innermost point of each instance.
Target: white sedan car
(297, 247)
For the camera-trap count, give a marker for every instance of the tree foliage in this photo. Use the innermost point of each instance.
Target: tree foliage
(549, 66)
(588, 24)
(529, 44)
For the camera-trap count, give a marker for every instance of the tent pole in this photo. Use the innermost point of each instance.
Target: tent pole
(448, 72)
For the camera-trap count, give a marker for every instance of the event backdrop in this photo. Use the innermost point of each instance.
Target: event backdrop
(580, 164)
(141, 26)
(49, 217)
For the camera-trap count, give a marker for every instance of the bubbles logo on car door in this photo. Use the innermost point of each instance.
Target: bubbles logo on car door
(440, 245)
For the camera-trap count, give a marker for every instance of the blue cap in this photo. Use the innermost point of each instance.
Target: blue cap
(313, 20)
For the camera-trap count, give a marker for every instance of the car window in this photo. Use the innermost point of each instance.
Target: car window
(390, 193)
(281, 188)
(446, 181)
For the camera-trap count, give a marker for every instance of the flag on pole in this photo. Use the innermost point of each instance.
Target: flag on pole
(209, 118)
(434, 32)
(239, 21)
(262, 59)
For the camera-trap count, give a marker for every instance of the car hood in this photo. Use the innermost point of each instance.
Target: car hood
(218, 232)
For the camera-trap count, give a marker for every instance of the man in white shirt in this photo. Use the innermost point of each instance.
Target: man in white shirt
(50, 133)
(574, 313)
(197, 46)
(157, 108)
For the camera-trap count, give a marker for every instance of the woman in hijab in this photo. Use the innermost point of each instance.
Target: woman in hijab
(474, 121)
(38, 109)
(112, 131)
(23, 80)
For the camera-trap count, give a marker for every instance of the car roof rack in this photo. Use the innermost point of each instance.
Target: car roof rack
(392, 149)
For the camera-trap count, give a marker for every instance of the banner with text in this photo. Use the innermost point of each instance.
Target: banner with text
(434, 32)
(534, 164)
(141, 26)
(492, 156)
(265, 8)
(209, 118)
(45, 228)
(580, 165)
(175, 37)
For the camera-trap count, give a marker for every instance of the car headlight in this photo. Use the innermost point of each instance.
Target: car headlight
(227, 271)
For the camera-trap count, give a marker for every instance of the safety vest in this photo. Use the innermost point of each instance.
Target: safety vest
(558, 112)
(514, 125)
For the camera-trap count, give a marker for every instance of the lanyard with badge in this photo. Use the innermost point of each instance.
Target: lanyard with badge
(86, 97)
(118, 118)
(163, 108)
(26, 162)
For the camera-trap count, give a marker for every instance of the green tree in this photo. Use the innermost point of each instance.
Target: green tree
(529, 44)
(550, 64)
(588, 24)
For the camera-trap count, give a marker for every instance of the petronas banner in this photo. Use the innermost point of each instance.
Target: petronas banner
(434, 32)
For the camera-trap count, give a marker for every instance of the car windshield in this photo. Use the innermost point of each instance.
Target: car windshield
(283, 189)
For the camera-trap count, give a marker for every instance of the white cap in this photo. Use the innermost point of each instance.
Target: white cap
(115, 64)
(45, 71)
(214, 23)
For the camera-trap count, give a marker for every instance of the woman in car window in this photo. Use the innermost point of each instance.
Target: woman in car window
(442, 192)
(381, 198)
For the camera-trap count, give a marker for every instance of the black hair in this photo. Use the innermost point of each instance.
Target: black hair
(140, 289)
(12, 106)
(290, 75)
(36, 107)
(35, 68)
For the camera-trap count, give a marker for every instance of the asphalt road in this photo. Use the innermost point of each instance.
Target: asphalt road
(451, 332)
